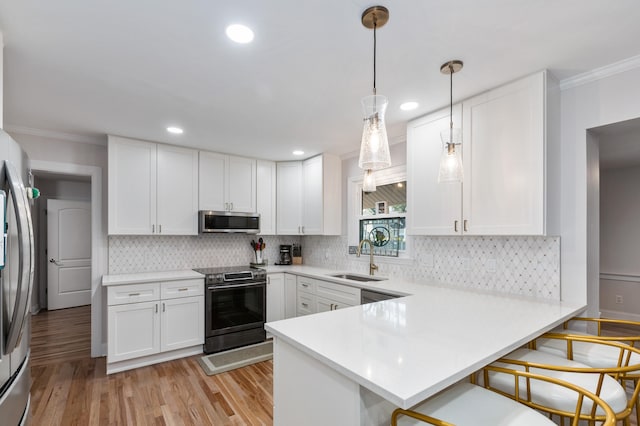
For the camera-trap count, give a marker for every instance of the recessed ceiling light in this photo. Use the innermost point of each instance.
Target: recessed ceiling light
(175, 130)
(298, 152)
(408, 106)
(240, 33)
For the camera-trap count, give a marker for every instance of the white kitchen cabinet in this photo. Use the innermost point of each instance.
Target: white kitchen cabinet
(266, 196)
(309, 196)
(433, 208)
(509, 134)
(227, 183)
(275, 297)
(153, 188)
(290, 284)
(154, 322)
(315, 295)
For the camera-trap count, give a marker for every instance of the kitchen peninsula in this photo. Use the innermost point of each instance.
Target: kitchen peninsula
(354, 366)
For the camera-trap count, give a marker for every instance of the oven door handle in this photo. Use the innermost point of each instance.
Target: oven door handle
(222, 287)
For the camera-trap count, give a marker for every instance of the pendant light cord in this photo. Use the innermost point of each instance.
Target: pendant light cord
(375, 25)
(450, 103)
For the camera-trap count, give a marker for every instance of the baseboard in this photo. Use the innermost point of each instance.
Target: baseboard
(129, 364)
(620, 315)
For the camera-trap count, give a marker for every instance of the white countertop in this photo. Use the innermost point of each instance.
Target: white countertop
(407, 349)
(149, 277)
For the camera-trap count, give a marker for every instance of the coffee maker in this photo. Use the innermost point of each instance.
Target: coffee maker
(285, 255)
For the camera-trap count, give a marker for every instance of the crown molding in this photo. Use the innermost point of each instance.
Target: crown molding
(600, 73)
(23, 130)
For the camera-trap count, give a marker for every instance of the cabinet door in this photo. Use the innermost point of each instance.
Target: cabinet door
(289, 198)
(177, 191)
(132, 186)
(241, 187)
(266, 196)
(275, 297)
(133, 330)
(212, 181)
(504, 148)
(182, 322)
(433, 208)
(312, 196)
(290, 284)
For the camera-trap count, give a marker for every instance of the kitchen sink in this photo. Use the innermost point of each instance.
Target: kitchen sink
(355, 277)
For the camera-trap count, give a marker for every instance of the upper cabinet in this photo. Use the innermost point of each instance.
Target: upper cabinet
(309, 196)
(266, 196)
(510, 157)
(153, 188)
(227, 183)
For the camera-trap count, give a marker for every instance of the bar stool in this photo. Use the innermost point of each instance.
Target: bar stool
(602, 381)
(466, 404)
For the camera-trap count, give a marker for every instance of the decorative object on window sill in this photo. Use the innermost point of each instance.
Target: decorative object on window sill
(382, 207)
(451, 160)
(374, 148)
(384, 234)
(369, 182)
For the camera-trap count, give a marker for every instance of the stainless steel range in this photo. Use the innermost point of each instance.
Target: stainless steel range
(235, 307)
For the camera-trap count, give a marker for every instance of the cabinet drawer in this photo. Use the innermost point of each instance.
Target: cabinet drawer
(183, 288)
(133, 293)
(323, 305)
(342, 294)
(306, 304)
(306, 285)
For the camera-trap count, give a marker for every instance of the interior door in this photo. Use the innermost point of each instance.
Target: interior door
(69, 252)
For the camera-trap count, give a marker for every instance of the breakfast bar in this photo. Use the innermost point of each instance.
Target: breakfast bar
(354, 366)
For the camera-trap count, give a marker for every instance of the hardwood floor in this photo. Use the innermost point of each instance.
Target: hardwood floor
(71, 388)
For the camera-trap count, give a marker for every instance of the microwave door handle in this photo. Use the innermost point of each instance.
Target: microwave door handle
(25, 248)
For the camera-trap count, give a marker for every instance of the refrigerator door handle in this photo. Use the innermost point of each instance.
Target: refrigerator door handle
(25, 248)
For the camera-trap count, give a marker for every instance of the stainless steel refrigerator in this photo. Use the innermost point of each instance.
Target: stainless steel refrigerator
(16, 281)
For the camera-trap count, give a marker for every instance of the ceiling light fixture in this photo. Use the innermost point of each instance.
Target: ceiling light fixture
(451, 160)
(369, 182)
(239, 33)
(408, 106)
(175, 130)
(298, 152)
(374, 148)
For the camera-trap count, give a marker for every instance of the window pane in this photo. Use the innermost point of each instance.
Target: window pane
(394, 194)
(387, 235)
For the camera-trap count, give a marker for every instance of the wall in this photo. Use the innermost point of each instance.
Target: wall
(585, 106)
(620, 242)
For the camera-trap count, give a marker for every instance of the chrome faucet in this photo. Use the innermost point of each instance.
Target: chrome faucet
(372, 266)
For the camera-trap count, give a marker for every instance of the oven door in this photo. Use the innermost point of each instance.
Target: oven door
(235, 307)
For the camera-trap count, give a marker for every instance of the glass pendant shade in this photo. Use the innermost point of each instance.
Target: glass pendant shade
(451, 158)
(369, 182)
(374, 148)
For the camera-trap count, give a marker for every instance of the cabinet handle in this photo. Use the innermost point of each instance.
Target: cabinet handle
(153, 229)
(156, 308)
(455, 226)
(134, 294)
(464, 225)
(302, 229)
(305, 304)
(159, 229)
(231, 206)
(164, 308)
(183, 289)
(305, 285)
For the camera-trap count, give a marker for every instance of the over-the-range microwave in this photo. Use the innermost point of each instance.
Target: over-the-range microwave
(212, 221)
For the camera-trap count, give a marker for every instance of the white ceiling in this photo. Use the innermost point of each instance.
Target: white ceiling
(134, 67)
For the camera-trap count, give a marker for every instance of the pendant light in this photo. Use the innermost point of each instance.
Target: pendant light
(369, 182)
(374, 148)
(451, 159)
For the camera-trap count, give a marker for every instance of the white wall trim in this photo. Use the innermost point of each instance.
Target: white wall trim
(600, 73)
(620, 315)
(619, 277)
(99, 259)
(50, 134)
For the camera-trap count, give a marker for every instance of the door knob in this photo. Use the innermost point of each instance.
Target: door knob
(52, 260)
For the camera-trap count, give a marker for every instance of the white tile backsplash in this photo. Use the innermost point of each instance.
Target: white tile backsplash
(133, 253)
(527, 266)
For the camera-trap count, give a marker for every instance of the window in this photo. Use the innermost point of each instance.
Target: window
(380, 216)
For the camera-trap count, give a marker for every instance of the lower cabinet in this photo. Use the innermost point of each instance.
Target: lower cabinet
(315, 295)
(154, 322)
(281, 296)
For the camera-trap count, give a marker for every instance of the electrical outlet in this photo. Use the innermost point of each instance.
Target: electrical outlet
(427, 260)
(491, 265)
(619, 299)
(466, 264)
(353, 249)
